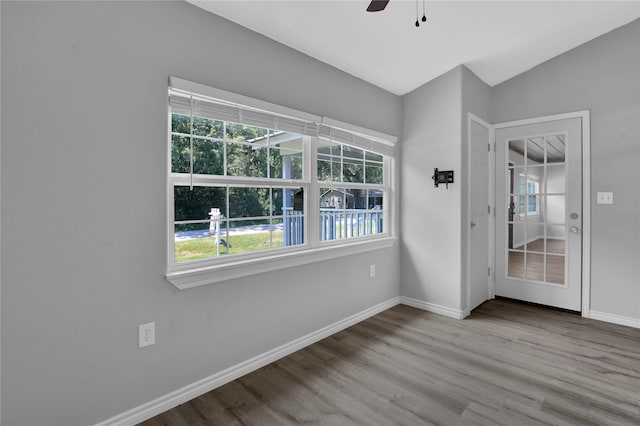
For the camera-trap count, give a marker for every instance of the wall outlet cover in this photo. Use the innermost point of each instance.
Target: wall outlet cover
(146, 334)
(605, 198)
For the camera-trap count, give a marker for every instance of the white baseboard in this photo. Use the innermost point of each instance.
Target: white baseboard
(432, 307)
(616, 319)
(180, 396)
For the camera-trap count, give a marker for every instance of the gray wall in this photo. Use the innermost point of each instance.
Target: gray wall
(433, 226)
(430, 218)
(603, 77)
(84, 89)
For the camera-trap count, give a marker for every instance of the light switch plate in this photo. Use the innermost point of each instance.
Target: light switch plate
(605, 198)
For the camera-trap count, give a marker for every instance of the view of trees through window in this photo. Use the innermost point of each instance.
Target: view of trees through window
(238, 190)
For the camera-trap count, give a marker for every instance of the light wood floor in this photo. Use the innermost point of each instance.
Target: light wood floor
(507, 364)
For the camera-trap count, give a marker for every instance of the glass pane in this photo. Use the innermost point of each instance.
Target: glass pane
(375, 216)
(280, 199)
(196, 203)
(535, 237)
(352, 152)
(555, 149)
(293, 228)
(375, 199)
(180, 124)
(515, 264)
(555, 269)
(556, 179)
(180, 154)
(352, 170)
(285, 155)
(245, 159)
(336, 170)
(324, 170)
(517, 180)
(240, 132)
(535, 267)
(530, 186)
(207, 127)
(556, 239)
(535, 151)
(373, 173)
(278, 234)
(196, 243)
(329, 171)
(555, 209)
(208, 157)
(535, 175)
(516, 236)
(372, 156)
(350, 213)
(250, 235)
(516, 152)
(279, 165)
(336, 198)
(249, 202)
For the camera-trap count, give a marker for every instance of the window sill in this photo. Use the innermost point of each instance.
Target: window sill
(212, 274)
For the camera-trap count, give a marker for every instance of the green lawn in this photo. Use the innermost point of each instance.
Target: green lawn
(199, 248)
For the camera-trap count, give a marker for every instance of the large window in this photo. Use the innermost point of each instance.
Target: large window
(247, 183)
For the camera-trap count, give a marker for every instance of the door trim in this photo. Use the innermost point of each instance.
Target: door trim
(491, 232)
(586, 195)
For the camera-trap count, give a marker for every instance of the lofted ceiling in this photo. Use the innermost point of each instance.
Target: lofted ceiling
(497, 40)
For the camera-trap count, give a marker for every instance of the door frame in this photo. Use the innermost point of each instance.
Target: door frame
(467, 219)
(586, 198)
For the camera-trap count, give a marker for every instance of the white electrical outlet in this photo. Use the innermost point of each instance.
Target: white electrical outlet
(372, 271)
(604, 197)
(146, 334)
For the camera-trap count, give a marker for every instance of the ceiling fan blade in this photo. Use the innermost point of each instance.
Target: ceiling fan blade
(377, 5)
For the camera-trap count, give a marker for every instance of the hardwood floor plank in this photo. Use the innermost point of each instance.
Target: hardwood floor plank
(506, 364)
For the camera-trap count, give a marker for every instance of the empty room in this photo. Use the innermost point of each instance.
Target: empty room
(319, 212)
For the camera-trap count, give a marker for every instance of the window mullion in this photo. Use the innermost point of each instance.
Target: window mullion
(191, 146)
(312, 198)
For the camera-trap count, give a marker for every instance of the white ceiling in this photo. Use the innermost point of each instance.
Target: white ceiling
(495, 39)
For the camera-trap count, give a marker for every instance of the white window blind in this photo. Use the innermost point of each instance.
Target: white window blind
(190, 104)
(357, 140)
(192, 99)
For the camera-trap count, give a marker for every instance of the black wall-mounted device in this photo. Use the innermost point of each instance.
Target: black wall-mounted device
(444, 177)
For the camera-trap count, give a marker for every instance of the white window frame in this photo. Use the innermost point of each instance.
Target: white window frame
(526, 196)
(188, 274)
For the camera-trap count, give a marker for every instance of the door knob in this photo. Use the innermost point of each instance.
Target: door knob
(574, 229)
(473, 224)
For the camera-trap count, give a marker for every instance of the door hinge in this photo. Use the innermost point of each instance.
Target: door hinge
(489, 271)
(489, 209)
(489, 147)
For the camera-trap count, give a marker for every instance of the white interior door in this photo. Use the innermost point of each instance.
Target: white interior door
(539, 212)
(479, 222)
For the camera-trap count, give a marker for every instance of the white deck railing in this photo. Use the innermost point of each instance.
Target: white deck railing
(334, 224)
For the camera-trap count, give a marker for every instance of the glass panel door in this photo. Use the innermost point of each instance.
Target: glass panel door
(536, 200)
(539, 212)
